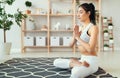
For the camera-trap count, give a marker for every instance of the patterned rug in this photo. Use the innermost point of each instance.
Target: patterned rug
(39, 68)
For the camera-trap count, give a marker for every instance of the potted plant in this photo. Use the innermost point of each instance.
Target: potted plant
(110, 26)
(28, 4)
(111, 40)
(6, 21)
(106, 46)
(104, 19)
(105, 33)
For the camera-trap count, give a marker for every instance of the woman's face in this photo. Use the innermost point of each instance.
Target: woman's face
(82, 15)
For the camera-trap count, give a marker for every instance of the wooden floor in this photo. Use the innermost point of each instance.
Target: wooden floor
(109, 61)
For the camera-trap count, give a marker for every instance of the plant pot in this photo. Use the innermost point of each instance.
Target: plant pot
(110, 27)
(106, 48)
(104, 20)
(111, 41)
(28, 11)
(5, 48)
(105, 34)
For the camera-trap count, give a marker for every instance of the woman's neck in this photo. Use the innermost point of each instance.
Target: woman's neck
(86, 23)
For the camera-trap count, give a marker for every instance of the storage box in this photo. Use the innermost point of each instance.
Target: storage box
(28, 41)
(40, 41)
(55, 41)
(67, 40)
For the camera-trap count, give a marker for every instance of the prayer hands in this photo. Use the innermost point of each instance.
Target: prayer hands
(76, 32)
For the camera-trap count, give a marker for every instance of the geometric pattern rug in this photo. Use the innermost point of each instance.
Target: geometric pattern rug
(39, 68)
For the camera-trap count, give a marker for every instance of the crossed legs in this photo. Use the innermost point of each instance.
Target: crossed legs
(79, 70)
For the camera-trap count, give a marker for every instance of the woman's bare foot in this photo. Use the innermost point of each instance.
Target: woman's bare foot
(85, 64)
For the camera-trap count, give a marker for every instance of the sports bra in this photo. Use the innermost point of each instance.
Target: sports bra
(84, 35)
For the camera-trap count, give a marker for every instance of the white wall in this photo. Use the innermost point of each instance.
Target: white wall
(109, 8)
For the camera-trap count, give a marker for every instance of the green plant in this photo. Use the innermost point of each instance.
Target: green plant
(28, 4)
(7, 19)
(106, 45)
(105, 17)
(105, 31)
(111, 38)
(110, 24)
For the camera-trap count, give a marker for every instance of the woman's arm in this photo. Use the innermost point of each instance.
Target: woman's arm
(76, 27)
(93, 39)
(73, 41)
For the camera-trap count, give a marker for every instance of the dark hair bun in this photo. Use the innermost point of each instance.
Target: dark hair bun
(92, 6)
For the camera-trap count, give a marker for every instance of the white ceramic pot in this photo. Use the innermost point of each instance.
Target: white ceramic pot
(106, 48)
(104, 20)
(5, 48)
(110, 27)
(111, 41)
(105, 34)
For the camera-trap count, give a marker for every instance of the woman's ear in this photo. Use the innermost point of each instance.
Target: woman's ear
(89, 12)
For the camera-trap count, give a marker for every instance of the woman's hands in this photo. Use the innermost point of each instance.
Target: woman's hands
(76, 35)
(76, 32)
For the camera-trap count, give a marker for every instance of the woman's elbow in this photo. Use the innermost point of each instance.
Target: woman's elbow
(71, 45)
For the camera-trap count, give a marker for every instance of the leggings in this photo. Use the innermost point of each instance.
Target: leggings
(79, 71)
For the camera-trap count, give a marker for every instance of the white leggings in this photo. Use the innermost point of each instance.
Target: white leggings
(79, 71)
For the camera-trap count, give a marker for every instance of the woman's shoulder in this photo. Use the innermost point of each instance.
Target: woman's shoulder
(94, 28)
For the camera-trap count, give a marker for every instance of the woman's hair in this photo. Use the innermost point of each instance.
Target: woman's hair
(89, 8)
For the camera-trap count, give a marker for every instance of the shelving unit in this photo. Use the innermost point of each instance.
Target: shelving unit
(55, 13)
(108, 38)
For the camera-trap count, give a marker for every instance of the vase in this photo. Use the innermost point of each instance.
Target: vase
(5, 48)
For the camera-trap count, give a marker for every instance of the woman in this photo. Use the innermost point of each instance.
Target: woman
(86, 40)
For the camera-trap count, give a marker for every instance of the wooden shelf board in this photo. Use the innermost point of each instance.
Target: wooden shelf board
(37, 14)
(111, 46)
(34, 30)
(35, 46)
(60, 46)
(62, 0)
(106, 40)
(61, 30)
(61, 14)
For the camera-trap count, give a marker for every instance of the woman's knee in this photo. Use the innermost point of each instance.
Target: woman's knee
(75, 73)
(79, 72)
(61, 63)
(56, 62)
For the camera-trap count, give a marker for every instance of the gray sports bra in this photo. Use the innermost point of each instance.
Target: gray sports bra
(84, 35)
